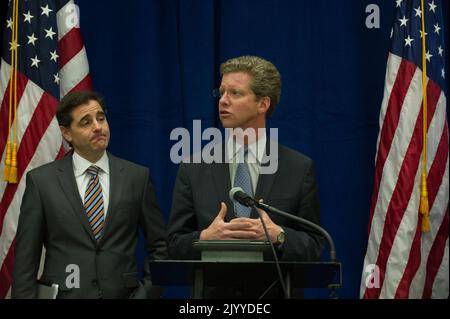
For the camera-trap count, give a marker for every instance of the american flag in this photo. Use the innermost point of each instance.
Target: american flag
(51, 62)
(401, 260)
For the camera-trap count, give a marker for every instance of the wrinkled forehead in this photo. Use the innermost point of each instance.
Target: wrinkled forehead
(91, 108)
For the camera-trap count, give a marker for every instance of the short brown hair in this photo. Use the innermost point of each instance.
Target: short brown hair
(265, 78)
(72, 100)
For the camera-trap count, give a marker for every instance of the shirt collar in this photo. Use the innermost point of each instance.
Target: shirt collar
(255, 150)
(80, 164)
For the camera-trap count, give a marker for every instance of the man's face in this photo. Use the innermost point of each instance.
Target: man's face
(238, 105)
(89, 130)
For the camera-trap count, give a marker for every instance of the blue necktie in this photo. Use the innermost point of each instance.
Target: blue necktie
(93, 202)
(243, 179)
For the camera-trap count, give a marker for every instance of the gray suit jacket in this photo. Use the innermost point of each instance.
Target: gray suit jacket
(52, 214)
(200, 187)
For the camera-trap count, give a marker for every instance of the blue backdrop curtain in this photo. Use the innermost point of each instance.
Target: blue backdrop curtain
(157, 62)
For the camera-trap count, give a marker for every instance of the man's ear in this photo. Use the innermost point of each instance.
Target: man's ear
(66, 133)
(264, 104)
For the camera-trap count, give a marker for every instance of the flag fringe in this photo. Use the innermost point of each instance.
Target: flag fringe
(7, 169)
(424, 207)
(13, 170)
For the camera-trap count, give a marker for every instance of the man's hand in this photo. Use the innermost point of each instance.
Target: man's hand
(257, 227)
(238, 228)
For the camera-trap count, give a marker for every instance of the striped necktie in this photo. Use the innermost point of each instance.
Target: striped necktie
(93, 202)
(243, 179)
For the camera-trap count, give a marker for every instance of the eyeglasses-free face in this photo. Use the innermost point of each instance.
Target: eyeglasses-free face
(238, 104)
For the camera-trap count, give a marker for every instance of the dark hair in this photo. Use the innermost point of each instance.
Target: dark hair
(71, 101)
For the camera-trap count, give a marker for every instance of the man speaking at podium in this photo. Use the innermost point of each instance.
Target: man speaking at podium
(201, 210)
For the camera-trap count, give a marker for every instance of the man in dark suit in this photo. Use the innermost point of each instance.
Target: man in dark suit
(86, 209)
(201, 209)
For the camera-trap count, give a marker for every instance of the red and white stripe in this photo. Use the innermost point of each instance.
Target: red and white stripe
(39, 137)
(409, 263)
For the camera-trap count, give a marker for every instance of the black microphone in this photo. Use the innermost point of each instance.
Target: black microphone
(238, 195)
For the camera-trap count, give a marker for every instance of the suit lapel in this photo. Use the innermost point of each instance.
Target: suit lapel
(222, 183)
(69, 186)
(266, 181)
(221, 175)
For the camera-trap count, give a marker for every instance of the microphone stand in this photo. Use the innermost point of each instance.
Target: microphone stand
(277, 263)
(238, 195)
(302, 221)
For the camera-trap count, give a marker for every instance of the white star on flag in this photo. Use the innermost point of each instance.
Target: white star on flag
(408, 41)
(428, 55)
(28, 17)
(35, 61)
(418, 12)
(54, 56)
(403, 21)
(49, 33)
(436, 28)
(31, 39)
(46, 11)
(9, 23)
(432, 6)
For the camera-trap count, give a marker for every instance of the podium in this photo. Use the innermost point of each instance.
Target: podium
(201, 274)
